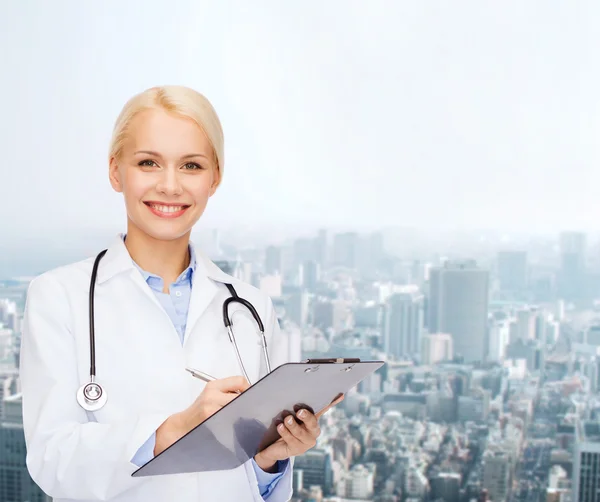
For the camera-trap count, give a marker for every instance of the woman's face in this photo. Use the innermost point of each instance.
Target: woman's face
(166, 173)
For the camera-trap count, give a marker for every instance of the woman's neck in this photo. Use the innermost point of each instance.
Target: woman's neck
(166, 259)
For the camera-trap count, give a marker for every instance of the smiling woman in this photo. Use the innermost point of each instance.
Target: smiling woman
(158, 303)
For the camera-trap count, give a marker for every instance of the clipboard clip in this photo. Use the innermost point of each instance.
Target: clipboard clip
(334, 360)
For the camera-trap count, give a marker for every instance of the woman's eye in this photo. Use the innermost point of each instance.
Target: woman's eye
(192, 166)
(147, 163)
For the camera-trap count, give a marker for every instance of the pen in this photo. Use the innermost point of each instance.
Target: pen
(201, 375)
(204, 376)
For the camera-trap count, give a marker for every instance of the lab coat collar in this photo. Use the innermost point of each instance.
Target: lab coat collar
(118, 260)
(204, 279)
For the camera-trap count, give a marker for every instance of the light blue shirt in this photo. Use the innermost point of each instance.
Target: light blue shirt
(176, 303)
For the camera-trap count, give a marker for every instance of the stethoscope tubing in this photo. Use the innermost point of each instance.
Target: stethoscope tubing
(93, 404)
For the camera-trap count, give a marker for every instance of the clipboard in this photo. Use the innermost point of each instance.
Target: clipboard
(248, 423)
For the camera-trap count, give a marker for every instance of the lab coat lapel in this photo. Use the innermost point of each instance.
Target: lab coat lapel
(203, 292)
(206, 281)
(117, 261)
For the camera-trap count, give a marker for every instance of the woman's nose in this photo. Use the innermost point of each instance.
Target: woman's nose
(169, 182)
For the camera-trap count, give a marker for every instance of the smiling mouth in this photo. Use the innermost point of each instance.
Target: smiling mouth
(167, 210)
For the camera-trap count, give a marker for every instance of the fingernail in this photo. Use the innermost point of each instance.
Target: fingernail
(280, 427)
(302, 413)
(290, 420)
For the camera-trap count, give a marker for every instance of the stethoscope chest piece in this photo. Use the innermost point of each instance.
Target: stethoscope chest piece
(91, 396)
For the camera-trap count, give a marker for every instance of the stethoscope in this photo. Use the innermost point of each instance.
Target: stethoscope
(92, 396)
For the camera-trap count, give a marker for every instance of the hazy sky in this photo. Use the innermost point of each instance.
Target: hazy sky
(429, 114)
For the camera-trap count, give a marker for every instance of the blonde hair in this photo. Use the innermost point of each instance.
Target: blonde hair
(179, 100)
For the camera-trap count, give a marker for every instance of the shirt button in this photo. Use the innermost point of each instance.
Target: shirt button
(177, 293)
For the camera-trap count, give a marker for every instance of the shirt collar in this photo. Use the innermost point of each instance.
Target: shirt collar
(185, 276)
(118, 261)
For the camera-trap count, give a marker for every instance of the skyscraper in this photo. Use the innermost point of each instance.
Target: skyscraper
(346, 249)
(512, 270)
(403, 324)
(571, 283)
(274, 260)
(458, 305)
(15, 482)
(316, 469)
(497, 474)
(436, 347)
(311, 274)
(322, 248)
(586, 462)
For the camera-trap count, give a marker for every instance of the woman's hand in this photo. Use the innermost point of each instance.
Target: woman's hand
(215, 395)
(296, 438)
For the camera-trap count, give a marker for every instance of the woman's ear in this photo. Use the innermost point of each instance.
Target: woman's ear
(114, 176)
(215, 183)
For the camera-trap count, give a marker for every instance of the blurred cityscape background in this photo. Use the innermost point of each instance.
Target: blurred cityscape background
(492, 344)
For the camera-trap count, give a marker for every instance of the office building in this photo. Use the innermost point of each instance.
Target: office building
(15, 483)
(436, 347)
(311, 275)
(499, 339)
(358, 483)
(446, 486)
(512, 271)
(586, 462)
(403, 324)
(322, 248)
(572, 284)
(296, 307)
(458, 305)
(497, 474)
(332, 314)
(525, 325)
(316, 469)
(346, 249)
(274, 260)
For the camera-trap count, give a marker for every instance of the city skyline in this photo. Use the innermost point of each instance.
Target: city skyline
(476, 359)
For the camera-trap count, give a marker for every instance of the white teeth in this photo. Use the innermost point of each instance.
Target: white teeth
(166, 209)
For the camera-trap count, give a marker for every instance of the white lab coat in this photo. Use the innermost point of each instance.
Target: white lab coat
(74, 455)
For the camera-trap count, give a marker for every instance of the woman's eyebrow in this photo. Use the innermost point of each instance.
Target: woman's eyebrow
(156, 154)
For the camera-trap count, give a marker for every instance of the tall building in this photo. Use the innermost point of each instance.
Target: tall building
(458, 305)
(369, 253)
(403, 324)
(358, 483)
(322, 248)
(311, 275)
(512, 270)
(586, 462)
(15, 483)
(304, 249)
(296, 306)
(525, 325)
(346, 249)
(592, 335)
(436, 347)
(572, 284)
(274, 260)
(499, 338)
(446, 486)
(316, 469)
(332, 314)
(497, 474)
